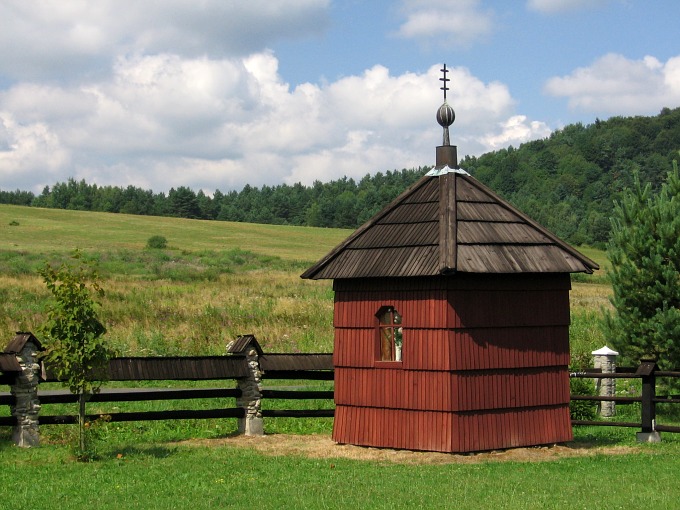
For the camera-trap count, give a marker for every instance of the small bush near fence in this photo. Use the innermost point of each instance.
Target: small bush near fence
(582, 409)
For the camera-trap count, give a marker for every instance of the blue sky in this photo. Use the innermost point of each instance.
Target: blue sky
(218, 94)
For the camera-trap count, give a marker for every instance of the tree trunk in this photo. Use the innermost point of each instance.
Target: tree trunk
(81, 422)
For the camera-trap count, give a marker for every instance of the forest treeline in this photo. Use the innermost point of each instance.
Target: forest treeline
(567, 182)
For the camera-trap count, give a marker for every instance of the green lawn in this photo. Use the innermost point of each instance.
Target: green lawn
(171, 475)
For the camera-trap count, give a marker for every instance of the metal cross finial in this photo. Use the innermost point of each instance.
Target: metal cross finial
(444, 79)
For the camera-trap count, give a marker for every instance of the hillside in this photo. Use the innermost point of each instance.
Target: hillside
(568, 182)
(37, 230)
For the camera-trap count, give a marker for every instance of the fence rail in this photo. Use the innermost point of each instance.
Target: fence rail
(296, 367)
(648, 374)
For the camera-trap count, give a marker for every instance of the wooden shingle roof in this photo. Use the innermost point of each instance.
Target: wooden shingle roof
(449, 222)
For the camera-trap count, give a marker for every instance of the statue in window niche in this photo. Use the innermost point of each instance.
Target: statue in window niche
(391, 334)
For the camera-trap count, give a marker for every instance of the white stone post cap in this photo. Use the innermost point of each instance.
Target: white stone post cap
(604, 351)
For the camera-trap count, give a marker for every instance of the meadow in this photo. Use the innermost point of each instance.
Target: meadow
(217, 280)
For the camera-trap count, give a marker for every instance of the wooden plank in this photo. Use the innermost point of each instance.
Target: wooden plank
(590, 423)
(484, 232)
(278, 362)
(297, 394)
(148, 416)
(470, 211)
(298, 413)
(447, 223)
(9, 364)
(138, 394)
(312, 375)
(516, 347)
(537, 308)
(411, 213)
(428, 192)
(7, 421)
(174, 368)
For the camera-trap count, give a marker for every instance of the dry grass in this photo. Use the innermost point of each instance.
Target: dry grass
(146, 317)
(216, 281)
(590, 297)
(317, 446)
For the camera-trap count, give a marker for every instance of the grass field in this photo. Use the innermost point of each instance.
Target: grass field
(215, 281)
(218, 280)
(178, 476)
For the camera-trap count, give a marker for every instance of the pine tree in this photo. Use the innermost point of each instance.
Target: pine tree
(644, 250)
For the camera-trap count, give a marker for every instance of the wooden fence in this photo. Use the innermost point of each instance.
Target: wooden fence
(297, 367)
(648, 374)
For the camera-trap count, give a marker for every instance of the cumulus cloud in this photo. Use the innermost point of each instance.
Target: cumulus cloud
(29, 153)
(55, 39)
(517, 129)
(447, 23)
(560, 6)
(164, 121)
(616, 85)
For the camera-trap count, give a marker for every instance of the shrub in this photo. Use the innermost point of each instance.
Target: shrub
(582, 409)
(157, 243)
(75, 348)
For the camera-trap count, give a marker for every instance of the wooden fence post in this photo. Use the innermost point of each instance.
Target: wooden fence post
(649, 434)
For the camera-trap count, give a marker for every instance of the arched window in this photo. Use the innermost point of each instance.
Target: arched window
(390, 333)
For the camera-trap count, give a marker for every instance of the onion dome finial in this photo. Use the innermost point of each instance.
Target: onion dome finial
(445, 115)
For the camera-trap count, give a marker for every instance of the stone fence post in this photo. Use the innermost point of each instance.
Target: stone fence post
(25, 390)
(605, 359)
(251, 388)
(250, 399)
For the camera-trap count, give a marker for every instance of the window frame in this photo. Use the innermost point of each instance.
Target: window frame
(390, 336)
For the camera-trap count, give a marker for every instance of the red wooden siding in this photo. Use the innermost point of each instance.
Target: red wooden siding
(473, 349)
(393, 428)
(461, 281)
(506, 389)
(451, 432)
(394, 389)
(355, 347)
(492, 348)
(454, 391)
(470, 309)
(484, 363)
(509, 428)
(420, 309)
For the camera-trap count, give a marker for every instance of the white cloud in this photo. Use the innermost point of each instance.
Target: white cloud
(445, 22)
(29, 153)
(616, 85)
(560, 6)
(164, 121)
(55, 39)
(517, 129)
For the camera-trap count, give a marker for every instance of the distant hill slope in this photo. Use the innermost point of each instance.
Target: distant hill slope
(33, 230)
(567, 182)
